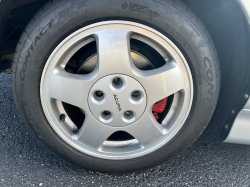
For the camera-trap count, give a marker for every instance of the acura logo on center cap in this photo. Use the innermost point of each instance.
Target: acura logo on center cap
(117, 102)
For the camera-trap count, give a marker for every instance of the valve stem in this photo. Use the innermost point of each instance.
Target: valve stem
(62, 117)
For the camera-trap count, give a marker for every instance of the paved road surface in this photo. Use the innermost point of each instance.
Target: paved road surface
(23, 162)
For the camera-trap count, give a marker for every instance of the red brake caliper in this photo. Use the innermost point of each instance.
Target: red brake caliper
(159, 107)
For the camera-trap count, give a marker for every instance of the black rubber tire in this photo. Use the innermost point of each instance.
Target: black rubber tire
(59, 18)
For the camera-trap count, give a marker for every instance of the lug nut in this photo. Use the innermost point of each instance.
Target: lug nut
(128, 116)
(106, 113)
(128, 112)
(136, 96)
(106, 116)
(135, 93)
(99, 94)
(117, 81)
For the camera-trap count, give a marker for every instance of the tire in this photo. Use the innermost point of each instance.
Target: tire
(60, 18)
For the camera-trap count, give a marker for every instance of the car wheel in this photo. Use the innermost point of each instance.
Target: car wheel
(115, 86)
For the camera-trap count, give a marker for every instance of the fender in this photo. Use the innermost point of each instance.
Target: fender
(5, 7)
(233, 46)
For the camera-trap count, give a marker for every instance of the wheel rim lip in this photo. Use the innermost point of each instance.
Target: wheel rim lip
(71, 141)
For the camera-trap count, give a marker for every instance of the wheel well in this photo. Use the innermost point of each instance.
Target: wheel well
(21, 13)
(230, 32)
(228, 26)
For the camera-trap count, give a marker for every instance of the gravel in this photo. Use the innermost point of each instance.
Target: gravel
(208, 162)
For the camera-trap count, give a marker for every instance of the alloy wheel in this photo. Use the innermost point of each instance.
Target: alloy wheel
(116, 95)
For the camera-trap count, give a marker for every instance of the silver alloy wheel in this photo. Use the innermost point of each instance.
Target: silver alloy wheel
(114, 60)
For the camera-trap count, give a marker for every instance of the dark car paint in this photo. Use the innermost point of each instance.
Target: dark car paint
(5, 7)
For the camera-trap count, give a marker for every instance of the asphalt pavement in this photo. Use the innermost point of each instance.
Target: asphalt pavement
(208, 162)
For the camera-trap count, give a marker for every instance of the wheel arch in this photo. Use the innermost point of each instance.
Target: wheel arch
(229, 29)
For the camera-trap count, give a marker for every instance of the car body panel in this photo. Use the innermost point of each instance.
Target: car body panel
(5, 7)
(240, 132)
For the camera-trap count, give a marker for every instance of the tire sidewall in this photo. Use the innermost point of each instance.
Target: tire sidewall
(62, 18)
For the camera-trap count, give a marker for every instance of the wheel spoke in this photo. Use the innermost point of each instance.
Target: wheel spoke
(93, 133)
(70, 88)
(144, 130)
(114, 51)
(162, 82)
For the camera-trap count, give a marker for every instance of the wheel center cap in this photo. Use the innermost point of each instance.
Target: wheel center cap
(117, 100)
